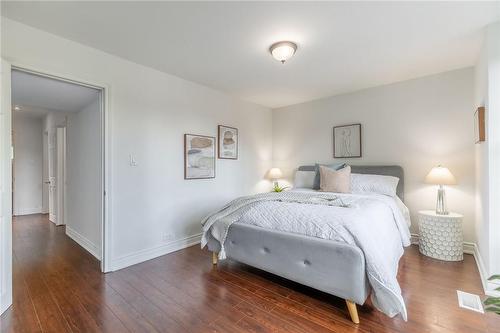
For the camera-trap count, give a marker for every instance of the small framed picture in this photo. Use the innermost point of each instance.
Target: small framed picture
(479, 125)
(347, 141)
(228, 142)
(199, 156)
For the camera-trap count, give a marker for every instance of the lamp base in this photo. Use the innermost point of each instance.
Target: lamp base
(441, 202)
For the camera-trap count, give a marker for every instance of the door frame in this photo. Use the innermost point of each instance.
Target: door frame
(105, 132)
(6, 153)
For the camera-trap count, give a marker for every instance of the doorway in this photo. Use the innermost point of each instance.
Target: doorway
(58, 111)
(70, 161)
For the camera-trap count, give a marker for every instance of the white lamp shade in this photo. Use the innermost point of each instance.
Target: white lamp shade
(440, 176)
(275, 173)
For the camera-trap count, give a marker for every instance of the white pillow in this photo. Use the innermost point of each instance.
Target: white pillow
(304, 179)
(363, 183)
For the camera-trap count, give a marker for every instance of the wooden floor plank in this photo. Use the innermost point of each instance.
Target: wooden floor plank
(58, 287)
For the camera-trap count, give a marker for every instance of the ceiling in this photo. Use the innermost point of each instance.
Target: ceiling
(37, 95)
(342, 46)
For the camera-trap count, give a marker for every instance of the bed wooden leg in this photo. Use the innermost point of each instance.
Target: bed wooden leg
(214, 258)
(353, 311)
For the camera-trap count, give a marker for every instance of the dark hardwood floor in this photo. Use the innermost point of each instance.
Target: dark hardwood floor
(58, 288)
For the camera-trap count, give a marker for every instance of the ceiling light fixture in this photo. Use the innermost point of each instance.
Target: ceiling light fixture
(282, 51)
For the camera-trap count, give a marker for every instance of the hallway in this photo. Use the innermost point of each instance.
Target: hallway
(56, 283)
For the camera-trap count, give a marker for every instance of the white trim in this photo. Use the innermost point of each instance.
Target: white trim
(154, 252)
(473, 249)
(27, 211)
(6, 155)
(84, 242)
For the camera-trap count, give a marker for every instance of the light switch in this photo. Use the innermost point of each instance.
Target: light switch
(132, 160)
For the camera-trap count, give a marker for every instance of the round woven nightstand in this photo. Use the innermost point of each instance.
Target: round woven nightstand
(440, 235)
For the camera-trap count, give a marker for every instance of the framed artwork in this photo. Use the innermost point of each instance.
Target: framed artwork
(228, 142)
(479, 125)
(199, 156)
(347, 141)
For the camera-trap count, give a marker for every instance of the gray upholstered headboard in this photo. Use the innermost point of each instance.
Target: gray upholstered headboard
(386, 170)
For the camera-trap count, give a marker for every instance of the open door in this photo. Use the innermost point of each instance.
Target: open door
(60, 175)
(5, 188)
(52, 143)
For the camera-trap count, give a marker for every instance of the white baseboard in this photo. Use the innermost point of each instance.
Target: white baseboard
(84, 242)
(471, 248)
(27, 211)
(151, 253)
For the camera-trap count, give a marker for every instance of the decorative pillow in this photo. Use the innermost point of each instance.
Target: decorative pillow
(363, 183)
(336, 166)
(338, 181)
(304, 179)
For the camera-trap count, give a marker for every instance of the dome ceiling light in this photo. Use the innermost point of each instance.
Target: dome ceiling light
(282, 51)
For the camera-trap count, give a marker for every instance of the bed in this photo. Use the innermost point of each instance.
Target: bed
(332, 266)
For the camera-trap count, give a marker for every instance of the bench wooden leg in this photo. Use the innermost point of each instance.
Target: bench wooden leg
(214, 258)
(353, 311)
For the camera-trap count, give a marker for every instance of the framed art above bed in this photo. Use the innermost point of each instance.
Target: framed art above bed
(347, 141)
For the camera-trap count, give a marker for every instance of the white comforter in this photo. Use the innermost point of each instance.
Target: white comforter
(377, 224)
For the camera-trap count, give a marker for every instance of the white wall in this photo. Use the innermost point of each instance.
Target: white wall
(487, 93)
(54, 119)
(416, 124)
(28, 161)
(83, 180)
(481, 159)
(149, 113)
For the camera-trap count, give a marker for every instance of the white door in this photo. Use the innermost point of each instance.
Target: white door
(5, 189)
(52, 175)
(60, 174)
(45, 173)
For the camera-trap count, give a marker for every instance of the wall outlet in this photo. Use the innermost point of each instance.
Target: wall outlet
(167, 236)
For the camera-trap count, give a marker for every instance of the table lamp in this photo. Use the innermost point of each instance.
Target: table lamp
(440, 176)
(274, 175)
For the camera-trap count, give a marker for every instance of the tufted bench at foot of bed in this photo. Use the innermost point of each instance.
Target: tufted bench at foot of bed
(329, 266)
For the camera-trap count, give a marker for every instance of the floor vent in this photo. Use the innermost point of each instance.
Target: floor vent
(469, 301)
